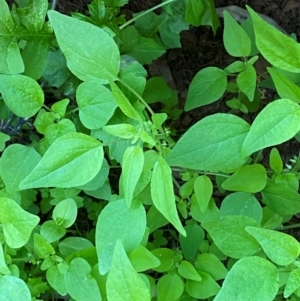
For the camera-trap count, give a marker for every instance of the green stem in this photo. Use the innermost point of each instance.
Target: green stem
(290, 227)
(144, 13)
(72, 111)
(202, 172)
(137, 95)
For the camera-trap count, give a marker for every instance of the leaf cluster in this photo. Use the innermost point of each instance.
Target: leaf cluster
(101, 199)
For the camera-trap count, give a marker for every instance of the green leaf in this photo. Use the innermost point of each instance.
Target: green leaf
(55, 130)
(123, 282)
(248, 178)
(35, 56)
(3, 138)
(16, 162)
(246, 81)
(211, 264)
(284, 86)
(281, 198)
(275, 160)
(71, 245)
(89, 56)
(277, 48)
(79, 283)
(155, 219)
(56, 279)
(251, 278)
(162, 194)
(166, 257)
(203, 190)
(230, 236)
(59, 165)
(293, 283)
(191, 243)
(22, 95)
(207, 86)
(281, 248)
(96, 104)
(242, 203)
(132, 166)
(32, 16)
(188, 271)
(142, 259)
(156, 89)
(10, 58)
(17, 223)
(13, 288)
(266, 130)
(42, 247)
(203, 289)
(123, 102)
(199, 149)
(52, 232)
(3, 267)
(145, 50)
(65, 213)
(56, 72)
(169, 287)
(117, 221)
(126, 131)
(236, 41)
(193, 12)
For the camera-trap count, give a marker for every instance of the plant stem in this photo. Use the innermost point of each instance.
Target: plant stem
(144, 13)
(137, 95)
(290, 227)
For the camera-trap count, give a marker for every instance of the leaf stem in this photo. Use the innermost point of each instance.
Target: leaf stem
(144, 13)
(137, 95)
(290, 227)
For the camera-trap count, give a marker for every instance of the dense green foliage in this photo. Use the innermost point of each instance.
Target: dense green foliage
(101, 199)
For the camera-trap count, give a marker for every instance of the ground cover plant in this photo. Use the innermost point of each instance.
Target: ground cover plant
(102, 199)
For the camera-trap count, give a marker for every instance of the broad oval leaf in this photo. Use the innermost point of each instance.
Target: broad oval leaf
(22, 95)
(242, 203)
(79, 283)
(198, 148)
(142, 259)
(293, 283)
(16, 162)
(246, 82)
(188, 271)
(17, 223)
(13, 288)
(267, 128)
(230, 236)
(132, 166)
(277, 48)
(117, 221)
(10, 58)
(163, 195)
(123, 282)
(248, 178)
(251, 278)
(169, 287)
(59, 165)
(236, 41)
(96, 104)
(203, 188)
(284, 86)
(281, 248)
(90, 52)
(207, 86)
(203, 289)
(65, 212)
(281, 198)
